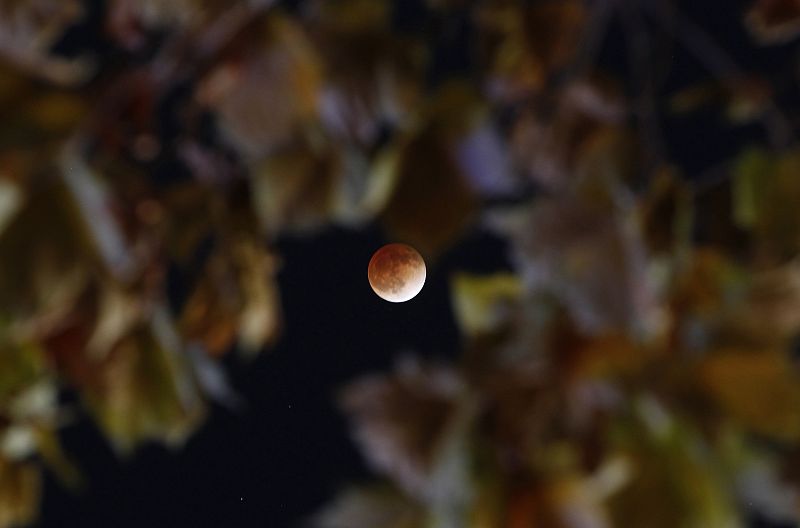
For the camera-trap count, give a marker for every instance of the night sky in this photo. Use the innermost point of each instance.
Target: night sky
(288, 451)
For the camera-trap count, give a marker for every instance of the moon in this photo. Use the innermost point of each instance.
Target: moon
(396, 273)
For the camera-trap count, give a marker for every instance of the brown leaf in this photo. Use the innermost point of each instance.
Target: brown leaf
(431, 202)
(774, 21)
(667, 215)
(525, 45)
(235, 298)
(266, 97)
(28, 31)
(760, 390)
(405, 423)
(591, 257)
(20, 491)
(297, 189)
(579, 136)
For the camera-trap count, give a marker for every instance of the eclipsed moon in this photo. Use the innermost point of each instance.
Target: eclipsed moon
(396, 272)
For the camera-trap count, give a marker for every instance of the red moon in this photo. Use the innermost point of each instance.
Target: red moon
(396, 273)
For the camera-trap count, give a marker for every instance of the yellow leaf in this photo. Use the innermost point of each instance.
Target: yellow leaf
(484, 303)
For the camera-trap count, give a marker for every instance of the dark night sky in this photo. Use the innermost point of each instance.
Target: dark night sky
(288, 452)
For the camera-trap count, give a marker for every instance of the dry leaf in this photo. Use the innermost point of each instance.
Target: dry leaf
(774, 21)
(266, 97)
(431, 203)
(758, 389)
(367, 508)
(484, 303)
(408, 441)
(145, 390)
(20, 490)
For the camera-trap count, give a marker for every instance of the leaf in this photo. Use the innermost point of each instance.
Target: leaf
(759, 390)
(766, 194)
(524, 45)
(769, 312)
(580, 138)
(352, 16)
(744, 100)
(23, 366)
(484, 303)
(676, 480)
(11, 199)
(29, 30)
(667, 216)
(266, 97)
(774, 21)
(20, 492)
(235, 298)
(144, 390)
(431, 202)
(43, 275)
(259, 317)
(590, 256)
(371, 508)
(406, 425)
(296, 189)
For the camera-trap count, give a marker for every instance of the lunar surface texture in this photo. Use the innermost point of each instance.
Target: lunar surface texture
(396, 272)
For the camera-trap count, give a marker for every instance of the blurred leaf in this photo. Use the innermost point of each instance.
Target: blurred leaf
(11, 199)
(236, 297)
(769, 312)
(431, 203)
(709, 285)
(610, 355)
(580, 138)
(296, 190)
(591, 257)
(144, 390)
(56, 460)
(526, 44)
(118, 313)
(371, 508)
(411, 442)
(23, 365)
(259, 317)
(20, 490)
(484, 303)
(759, 389)
(774, 21)
(45, 267)
(766, 194)
(266, 97)
(744, 100)
(668, 214)
(676, 480)
(352, 16)
(28, 31)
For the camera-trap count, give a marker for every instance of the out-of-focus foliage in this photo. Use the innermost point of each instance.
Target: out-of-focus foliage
(634, 368)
